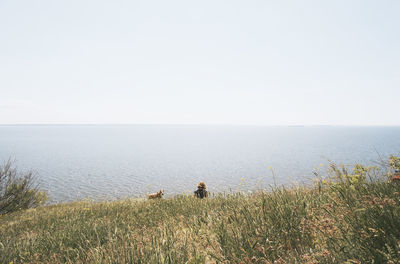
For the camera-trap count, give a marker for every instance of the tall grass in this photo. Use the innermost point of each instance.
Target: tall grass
(18, 190)
(351, 216)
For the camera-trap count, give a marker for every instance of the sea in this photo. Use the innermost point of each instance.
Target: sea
(107, 162)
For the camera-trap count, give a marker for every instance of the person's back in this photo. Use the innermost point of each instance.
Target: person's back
(201, 193)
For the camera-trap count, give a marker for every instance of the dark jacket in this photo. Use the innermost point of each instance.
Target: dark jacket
(201, 193)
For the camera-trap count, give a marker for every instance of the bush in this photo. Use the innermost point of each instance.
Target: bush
(18, 191)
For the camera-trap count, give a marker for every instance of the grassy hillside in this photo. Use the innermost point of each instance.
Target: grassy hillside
(353, 216)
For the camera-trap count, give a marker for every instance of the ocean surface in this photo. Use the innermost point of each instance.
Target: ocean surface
(117, 161)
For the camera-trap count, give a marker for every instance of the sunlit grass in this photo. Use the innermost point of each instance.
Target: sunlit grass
(352, 216)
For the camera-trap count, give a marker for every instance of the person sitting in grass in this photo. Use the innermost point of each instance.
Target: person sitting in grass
(201, 191)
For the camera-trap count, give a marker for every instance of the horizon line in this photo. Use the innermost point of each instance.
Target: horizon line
(196, 124)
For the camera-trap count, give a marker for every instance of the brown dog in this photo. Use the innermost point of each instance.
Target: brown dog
(157, 195)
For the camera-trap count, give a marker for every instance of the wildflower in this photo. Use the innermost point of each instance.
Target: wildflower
(396, 176)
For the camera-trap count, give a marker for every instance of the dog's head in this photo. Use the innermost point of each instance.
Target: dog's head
(160, 193)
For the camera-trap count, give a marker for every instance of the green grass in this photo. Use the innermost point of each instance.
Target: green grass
(352, 217)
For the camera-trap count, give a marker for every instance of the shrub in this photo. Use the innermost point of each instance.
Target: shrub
(366, 211)
(18, 191)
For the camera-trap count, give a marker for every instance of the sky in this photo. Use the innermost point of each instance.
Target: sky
(250, 62)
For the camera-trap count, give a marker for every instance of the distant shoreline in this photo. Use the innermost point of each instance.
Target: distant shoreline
(214, 125)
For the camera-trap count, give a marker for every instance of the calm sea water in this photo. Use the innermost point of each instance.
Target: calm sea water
(114, 161)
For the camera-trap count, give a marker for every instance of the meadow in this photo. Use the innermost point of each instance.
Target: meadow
(349, 215)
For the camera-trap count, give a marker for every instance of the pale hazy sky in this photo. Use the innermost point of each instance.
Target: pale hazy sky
(213, 62)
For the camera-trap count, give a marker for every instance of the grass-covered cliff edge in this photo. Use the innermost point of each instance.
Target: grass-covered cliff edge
(351, 216)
